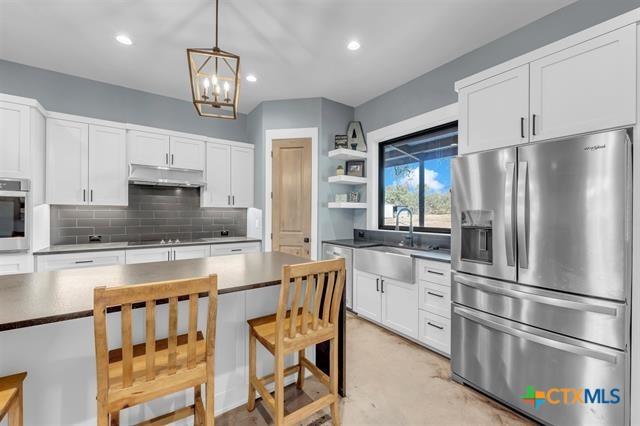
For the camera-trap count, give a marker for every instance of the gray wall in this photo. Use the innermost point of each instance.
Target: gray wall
(74, 95)
(330, 118)
(153, 213)
(435, 88)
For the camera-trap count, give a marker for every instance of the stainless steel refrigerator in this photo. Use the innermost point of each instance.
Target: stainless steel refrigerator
(541, 254)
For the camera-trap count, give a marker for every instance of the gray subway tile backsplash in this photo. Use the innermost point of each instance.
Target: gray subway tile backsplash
(154, 213)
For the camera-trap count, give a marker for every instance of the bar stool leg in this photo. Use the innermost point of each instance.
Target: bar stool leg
(115, 418)
(279, 388)
(103, 415)
(300, 382)
(333, 381)
(251, 400)
(15, 411)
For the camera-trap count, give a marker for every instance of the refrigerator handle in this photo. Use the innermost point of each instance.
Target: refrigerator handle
(523, 254)
(508, 213)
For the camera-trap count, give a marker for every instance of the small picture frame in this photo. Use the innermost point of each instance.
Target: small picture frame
(341, 198)
(355, 168)
(354, 197)
(341, 141)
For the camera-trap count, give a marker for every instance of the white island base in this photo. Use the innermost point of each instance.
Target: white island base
(59, 358)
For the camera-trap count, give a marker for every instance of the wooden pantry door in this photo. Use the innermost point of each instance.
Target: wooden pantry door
(291, 183)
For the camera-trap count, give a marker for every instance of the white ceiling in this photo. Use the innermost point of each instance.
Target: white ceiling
(296, 48)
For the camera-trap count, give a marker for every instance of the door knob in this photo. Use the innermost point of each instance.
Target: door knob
(306, 239)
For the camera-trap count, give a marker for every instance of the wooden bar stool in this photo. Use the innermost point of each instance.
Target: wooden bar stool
(11, 398)
(135, 374)
(293, 330)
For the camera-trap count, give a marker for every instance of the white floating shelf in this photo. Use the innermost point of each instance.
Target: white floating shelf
(336, 205)
(348, 180)
(347, 154)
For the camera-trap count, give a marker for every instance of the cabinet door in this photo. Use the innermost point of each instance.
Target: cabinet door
(67, 162)
(218, 176)
(14, 140)
(241, 177)
(149, 149)
(108, 183)
(16, 264)
(367, 295)
(191, 252)
(588, 87)
(400, 306)
(157, 254)
(187, 153)
(494, 112)
(56, 262)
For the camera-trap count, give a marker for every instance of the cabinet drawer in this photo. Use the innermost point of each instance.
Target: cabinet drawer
(435, 272)
(56, 262)
(435, 298)
(435, 331)
(238, 248)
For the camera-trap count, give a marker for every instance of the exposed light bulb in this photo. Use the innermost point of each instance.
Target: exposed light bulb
(206, 83)
(252, 78)
(353, 45)
(124, 39)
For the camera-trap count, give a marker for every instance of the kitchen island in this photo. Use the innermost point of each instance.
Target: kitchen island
(46, 329)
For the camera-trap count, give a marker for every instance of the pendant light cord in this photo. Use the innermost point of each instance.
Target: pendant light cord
(216, 24)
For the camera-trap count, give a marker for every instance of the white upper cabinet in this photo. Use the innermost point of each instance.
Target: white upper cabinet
(108, 183)
(149, 149)
(218, 190)
(585, 88)
(241, 177)
(85, 164)
(186, 153)
(67, 162)
(229, 176)
(494, 112)
(14, 140)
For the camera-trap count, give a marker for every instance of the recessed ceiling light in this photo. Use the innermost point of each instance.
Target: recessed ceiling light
(124, 39)
(252, 78)
(353, 45)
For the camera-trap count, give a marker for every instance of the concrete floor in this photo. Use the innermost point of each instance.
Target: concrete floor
(390, 381)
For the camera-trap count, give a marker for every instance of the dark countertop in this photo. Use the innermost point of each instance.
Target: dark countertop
(440, 255)
(44, 297)
(82, 248)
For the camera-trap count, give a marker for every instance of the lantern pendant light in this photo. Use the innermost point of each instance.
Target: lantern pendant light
(215, 80)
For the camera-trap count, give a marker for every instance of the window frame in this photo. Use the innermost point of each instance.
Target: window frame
(381, 146)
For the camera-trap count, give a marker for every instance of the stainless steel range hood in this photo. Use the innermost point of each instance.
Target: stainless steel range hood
(140, 174)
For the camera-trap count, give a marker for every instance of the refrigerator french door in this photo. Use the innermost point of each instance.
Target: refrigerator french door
(541, 251)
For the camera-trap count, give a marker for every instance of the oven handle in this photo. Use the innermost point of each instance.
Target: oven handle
(21, 194)
(577, 350)
(486, 285)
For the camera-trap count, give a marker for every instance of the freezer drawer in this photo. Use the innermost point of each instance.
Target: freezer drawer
(505, 359)
(593, 320)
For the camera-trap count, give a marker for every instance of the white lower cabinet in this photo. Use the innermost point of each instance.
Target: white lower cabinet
(367, 297)
(435, 331)
(56, 262)
(190, 252)
(235, 248)
(400, 306)
(16, 264)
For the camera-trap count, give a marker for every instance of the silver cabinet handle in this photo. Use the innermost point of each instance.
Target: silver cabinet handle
(523, 255)
(166, 158)
(522, 127)
(174, 255)
(78, 262)
(168, 255)
(488, 286)
(434, 294)
(172, 159)
(91, 195)
(508, 214)
(228, 200)
(381, 286)
(435, 272)
(533, 124)
(233, 200)
(239, 249)
(603, 355)
(435, 326)
(84, 195)
(377, 284)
